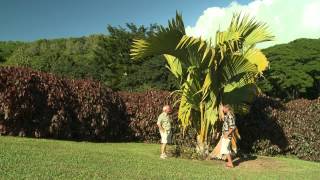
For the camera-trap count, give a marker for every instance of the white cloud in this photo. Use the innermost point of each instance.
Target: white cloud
(311, 15)
(287, 20)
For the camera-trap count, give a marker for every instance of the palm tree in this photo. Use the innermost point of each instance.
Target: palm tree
(210, 73)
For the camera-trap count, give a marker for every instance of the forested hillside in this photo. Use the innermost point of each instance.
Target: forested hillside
(7, 48)
(294, 70)
(103, 58)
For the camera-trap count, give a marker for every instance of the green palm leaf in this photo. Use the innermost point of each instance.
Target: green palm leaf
(251, 32)
(162, 42)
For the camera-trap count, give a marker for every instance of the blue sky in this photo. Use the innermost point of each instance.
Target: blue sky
(28, 20)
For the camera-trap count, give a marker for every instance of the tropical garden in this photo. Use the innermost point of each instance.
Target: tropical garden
(111, 88)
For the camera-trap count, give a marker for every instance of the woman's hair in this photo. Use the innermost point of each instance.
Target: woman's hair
(230, 109)
(221, 114)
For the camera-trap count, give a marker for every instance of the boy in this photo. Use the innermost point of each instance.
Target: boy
(164, 124)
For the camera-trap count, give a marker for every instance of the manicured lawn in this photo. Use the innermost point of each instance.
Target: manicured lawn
(46, 159)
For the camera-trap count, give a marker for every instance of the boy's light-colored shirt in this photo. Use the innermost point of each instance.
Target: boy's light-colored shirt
(164, 121)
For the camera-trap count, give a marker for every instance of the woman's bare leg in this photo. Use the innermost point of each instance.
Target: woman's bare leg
(229, 163)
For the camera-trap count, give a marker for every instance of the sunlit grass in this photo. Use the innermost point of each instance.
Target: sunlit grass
(46, 159)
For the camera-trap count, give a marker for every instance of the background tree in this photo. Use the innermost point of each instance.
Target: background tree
(7, 48)
(104, 58)
(294, 70)
(119, 72)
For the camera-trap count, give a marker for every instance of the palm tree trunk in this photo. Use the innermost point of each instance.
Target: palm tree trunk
(202, 145)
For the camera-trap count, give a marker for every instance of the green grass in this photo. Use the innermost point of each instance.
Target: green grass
(24, 158)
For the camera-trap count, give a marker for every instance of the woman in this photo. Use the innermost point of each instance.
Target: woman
(227, 131)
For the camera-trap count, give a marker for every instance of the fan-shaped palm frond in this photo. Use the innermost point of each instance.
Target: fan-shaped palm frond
(162, 42)
(251, 32)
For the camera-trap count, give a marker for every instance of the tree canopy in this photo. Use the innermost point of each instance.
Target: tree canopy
(104, 58)
(294, 70)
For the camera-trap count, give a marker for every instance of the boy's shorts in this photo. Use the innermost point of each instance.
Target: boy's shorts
(165, 137)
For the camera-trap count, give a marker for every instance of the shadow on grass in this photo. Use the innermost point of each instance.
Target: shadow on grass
(243, 158)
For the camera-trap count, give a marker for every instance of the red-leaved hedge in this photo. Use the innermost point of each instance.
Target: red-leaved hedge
(38, 104)
(273, 127)
(42, 105)
(143, 110)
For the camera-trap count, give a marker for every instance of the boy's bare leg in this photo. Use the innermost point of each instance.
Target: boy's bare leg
(163, 148)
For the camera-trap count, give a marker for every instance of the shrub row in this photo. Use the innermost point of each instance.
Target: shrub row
(273, 128)
(38, 104)
(143, 110)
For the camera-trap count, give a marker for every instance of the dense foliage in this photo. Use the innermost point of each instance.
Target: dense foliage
(104, 58)
(294, 70)
(268, 129)
(37, 104)
(7, 48)
(143, 110)
(273, 128)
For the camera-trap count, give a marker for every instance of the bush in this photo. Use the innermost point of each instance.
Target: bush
(41, 105)
(273, 127)
(37, 104)
(143, 110)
